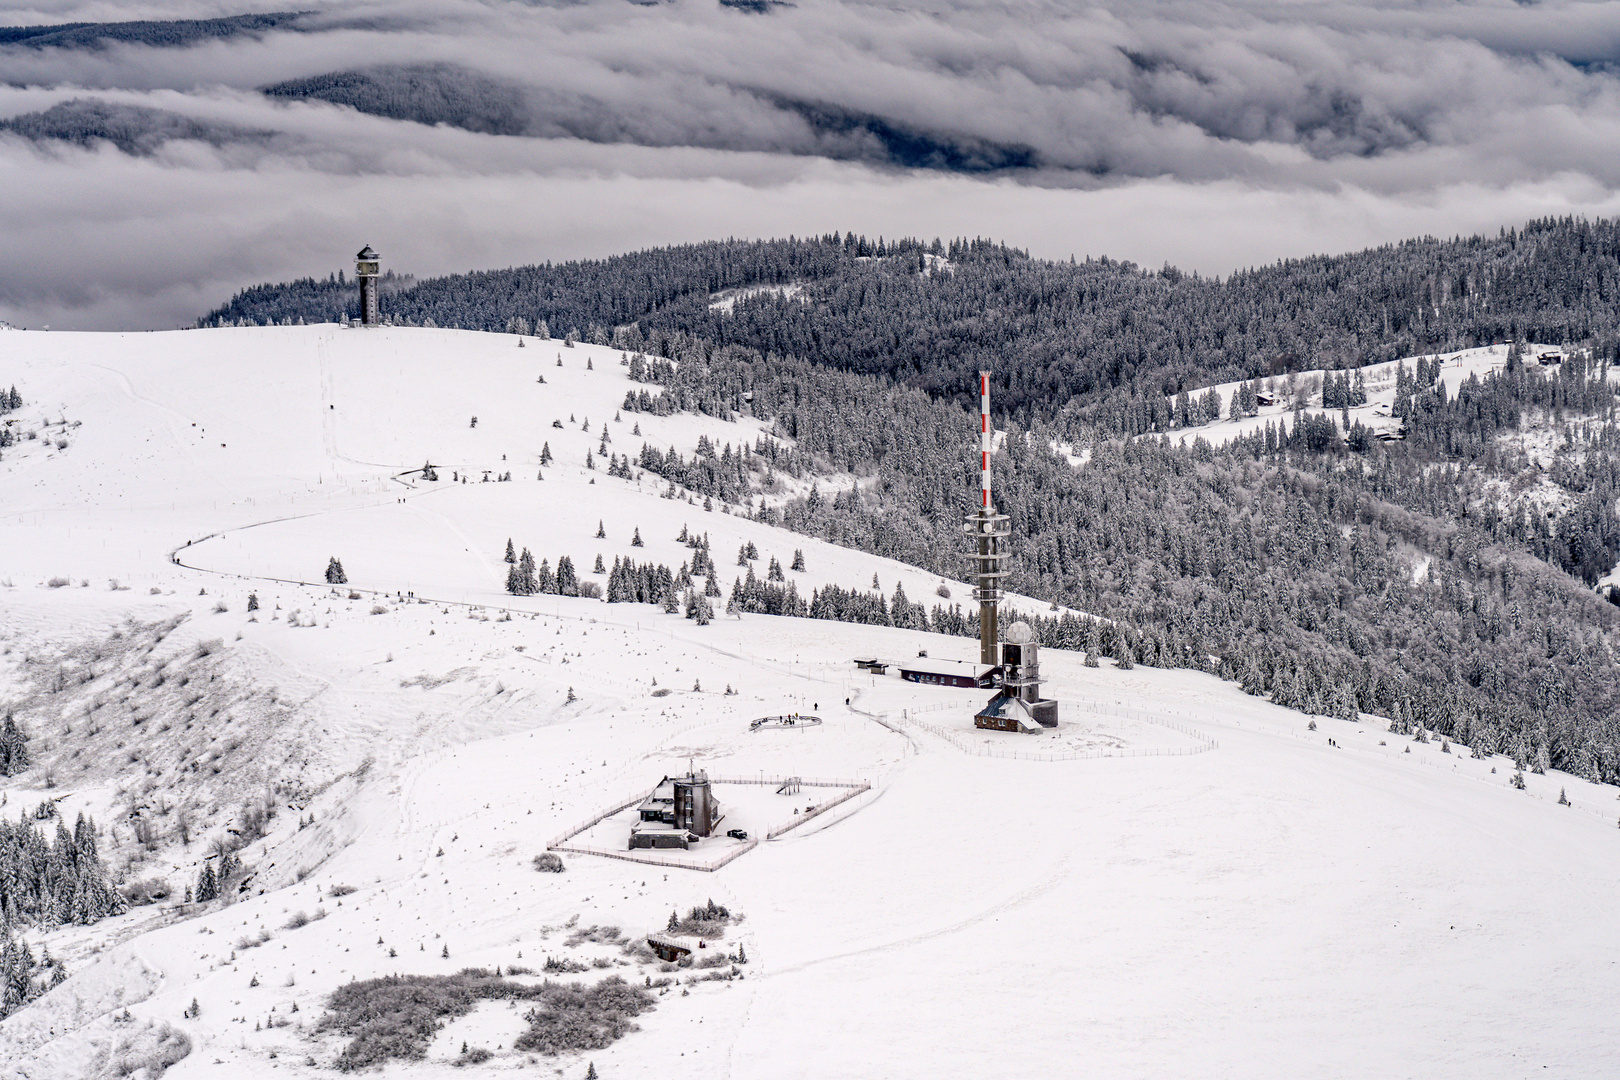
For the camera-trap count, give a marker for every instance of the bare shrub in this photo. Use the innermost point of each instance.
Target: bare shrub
(145, 891)
(591, 589)
(549, 862)
(597, 935)
(573, 1018)
(561, 965)
(393, 1017)
(145, 831)
(301, 919)
(340, 890)
(255, 816)
(59, 582)
(378, 609)
(167, 1046)
(638, 950)
(397, 1016)
(253, 941)
(943, 592)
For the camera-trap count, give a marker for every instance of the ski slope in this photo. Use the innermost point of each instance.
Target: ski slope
(1202, 887)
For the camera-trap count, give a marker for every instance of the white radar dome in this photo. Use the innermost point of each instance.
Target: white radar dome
(1019, 633)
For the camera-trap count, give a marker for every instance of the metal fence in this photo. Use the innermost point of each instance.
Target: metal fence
(556, 845)
(794, 823)
(659, 860)
(856, 787)
(780, 780)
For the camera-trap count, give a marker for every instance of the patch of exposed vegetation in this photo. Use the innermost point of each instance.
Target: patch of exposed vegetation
(398, 1015)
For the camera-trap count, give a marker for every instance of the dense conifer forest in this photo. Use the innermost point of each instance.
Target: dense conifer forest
(1095, 333)
(44, 883)
(1428, 580)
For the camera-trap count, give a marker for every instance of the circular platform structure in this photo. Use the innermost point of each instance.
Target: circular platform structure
(792, 720)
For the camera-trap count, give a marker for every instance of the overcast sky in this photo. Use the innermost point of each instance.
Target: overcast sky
(1210, 135)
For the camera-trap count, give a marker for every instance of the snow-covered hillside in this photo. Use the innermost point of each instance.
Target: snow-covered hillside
(1199, 884)
(1305, 389)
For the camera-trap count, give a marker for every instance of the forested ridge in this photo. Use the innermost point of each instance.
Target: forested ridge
(1088, 334)
(1425, 580)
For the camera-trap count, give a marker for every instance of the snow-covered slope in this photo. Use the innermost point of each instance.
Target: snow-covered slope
(1306, 387)
(1201, 886)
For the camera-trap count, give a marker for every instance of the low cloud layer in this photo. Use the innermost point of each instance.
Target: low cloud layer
(454, 134)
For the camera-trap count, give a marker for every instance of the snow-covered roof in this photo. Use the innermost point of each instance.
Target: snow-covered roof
(955, 668)
(1005, 705)
(655, 827)
(668, 942)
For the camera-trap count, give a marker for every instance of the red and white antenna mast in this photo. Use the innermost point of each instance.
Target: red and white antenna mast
(986, 436)
(989, 531)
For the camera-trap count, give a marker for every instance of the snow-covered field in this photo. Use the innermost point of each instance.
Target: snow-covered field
(1204, 887)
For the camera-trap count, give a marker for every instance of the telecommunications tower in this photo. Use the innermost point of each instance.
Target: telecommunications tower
(989, 531)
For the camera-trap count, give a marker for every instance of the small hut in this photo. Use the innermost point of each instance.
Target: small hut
(667, 948)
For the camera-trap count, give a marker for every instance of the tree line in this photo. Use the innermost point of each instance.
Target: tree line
(1097, 333)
